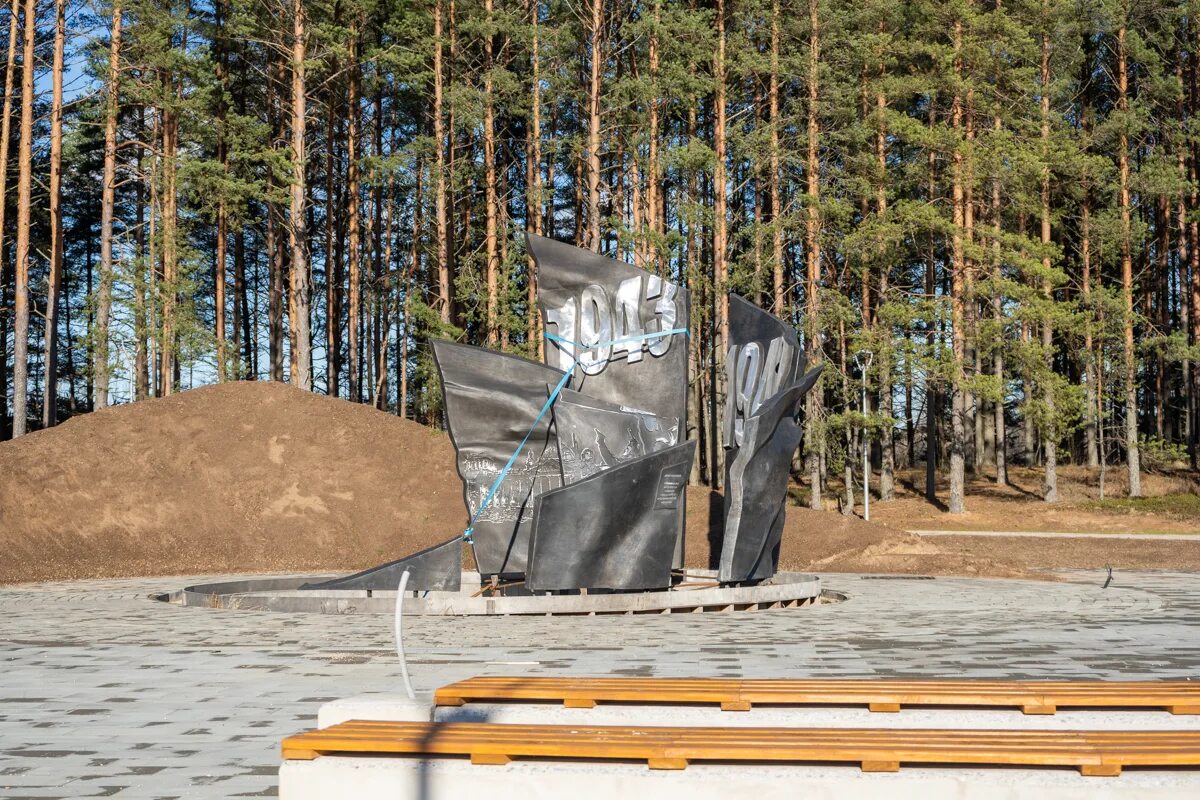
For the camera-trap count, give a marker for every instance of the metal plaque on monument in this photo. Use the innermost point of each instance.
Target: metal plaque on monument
(594, 435)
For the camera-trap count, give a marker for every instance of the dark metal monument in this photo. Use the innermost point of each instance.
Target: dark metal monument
(574, 471)
(765, 384)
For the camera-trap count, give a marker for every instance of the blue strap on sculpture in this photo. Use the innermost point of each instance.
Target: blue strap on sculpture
(580, 348)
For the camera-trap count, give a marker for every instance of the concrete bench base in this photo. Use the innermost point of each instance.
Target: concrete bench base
(453, 778)
(366, 778)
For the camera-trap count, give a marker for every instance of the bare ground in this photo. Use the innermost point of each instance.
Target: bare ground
(262, 477)
(1019, 506)
(245, 476)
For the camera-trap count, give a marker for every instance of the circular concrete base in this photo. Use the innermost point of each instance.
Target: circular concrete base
(698, 593)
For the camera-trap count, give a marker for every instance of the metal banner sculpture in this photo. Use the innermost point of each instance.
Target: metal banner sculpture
(583, 487)
(492, 401)
(761, 436)
(600, 317)
(613, 530)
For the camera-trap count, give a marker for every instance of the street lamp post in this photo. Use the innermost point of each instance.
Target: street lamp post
(863, 359)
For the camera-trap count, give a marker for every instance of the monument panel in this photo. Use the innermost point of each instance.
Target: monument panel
(756, 482)
(592, 303)
(762, 401)
(492, 400)
(614, 530)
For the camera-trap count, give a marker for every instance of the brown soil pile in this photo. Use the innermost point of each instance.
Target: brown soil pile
(262, 477)
(240, 477)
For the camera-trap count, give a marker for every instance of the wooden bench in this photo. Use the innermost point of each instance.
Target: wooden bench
(1032, 697)
(875, 750)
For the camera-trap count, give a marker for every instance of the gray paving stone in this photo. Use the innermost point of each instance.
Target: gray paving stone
(104, 692)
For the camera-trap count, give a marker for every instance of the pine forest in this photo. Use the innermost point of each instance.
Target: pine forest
(985, 212)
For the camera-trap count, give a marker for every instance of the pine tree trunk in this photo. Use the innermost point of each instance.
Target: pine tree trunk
(404, 334)
(388, 262)
(887, 471)
(958, 410)
(910, 432)
(998, 423)
(1160, 302)
(413, 265)
(1028, 440)
(812, 255)
(153, 264)
(932, 406)
(654, 220)
(695, 408)
(533, 183)
(168, 349)
(440, 213)
(1131, 418)
(271, 235)
(289, 302)
(972, 420)
(632, 187)
(14, 16)
(549, 228)
(333, 343)
(1181, 271)
(54, 279)
(1090, 366)
(222, 231)
(1194, 238)
(453, 311)
(141, 311)
(274, 293)
(241, 309)
(592, 237)
(296, 232)
(382, 227)
(68, 341)
(491, 201)
(720, 243)
(847, 405)
(778, 299)
(1050, 485)
(354, 245)
(1100, 396)
(24, 209)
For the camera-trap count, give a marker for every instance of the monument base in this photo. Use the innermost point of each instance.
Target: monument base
(697, 592)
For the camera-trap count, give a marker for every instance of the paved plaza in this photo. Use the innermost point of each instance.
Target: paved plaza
(106, 692)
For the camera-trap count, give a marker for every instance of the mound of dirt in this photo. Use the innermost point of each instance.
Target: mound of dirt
(263, 477)
(252, 476)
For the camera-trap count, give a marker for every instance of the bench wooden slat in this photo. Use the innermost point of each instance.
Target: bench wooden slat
(1094, 753)
(484, 683)
(1033, 697)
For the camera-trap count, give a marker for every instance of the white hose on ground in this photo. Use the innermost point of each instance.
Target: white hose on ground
(400, 635)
